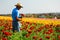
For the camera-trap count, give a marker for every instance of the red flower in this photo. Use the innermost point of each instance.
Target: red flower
(35, 24)
(4, 39)
(48, 37)
(58, 25)
(47, 26)
(10, 28)
(3, 30)
(39, 29)
(29, 31)
(32, 27)
(27, 23)
(6, 28)
(51, 30)
(25, 27)
(21, 28)
(59, 36)
(40, 38)
(30, 23)
(22, 22)
(57, 30)
(7, 33)
(48, 32)
(54, 39)
(27, 35)
(35, 30)
(34, 37)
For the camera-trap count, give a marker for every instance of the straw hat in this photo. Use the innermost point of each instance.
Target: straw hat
(20, 5)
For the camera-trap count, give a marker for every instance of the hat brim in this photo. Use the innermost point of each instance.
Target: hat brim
(19, 6)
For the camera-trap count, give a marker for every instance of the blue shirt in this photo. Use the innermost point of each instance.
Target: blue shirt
(15, 14)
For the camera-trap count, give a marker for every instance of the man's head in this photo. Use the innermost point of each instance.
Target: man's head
(18, 6)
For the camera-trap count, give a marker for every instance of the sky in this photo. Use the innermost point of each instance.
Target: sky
(30, 6)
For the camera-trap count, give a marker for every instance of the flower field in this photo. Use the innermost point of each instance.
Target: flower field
(31, 29)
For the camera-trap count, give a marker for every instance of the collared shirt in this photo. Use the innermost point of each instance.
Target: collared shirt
(15, 14)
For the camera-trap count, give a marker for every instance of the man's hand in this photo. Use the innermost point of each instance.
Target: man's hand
(19, 19)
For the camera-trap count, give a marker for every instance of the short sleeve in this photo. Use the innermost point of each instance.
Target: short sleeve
(16, 14)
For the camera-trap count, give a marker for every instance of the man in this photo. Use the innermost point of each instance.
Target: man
(16, 18)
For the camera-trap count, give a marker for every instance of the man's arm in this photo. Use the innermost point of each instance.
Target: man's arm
(17, 16)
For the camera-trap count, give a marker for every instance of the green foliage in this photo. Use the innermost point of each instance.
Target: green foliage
(1, 27)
